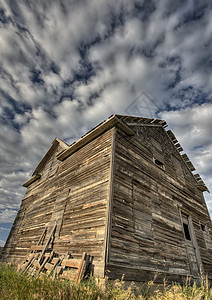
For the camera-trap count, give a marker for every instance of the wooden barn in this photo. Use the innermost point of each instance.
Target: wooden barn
(124, 194)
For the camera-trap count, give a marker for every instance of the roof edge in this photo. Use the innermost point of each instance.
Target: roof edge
(120, 122)
(95, 132)
(55, 143)
(31, 180)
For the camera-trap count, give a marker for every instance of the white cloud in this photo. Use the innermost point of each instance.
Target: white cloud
(194, 125)
(49, 88)
(7, 216)
(4, 229)
(193, 129)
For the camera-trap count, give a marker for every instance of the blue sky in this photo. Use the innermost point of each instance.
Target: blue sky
(67, 65)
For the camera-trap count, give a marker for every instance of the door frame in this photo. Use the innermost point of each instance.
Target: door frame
(193, 240)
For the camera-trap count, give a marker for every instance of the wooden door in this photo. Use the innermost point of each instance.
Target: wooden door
(191, 245)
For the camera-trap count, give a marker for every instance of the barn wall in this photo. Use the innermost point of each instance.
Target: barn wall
(34, 213)
(75, 194)
(146, 232)
(85, 176)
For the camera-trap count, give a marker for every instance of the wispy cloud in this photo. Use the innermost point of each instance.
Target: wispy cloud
(7, 215)
(193, 128)
(67, 65)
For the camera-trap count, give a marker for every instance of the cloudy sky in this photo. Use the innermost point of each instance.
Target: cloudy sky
(67, 65)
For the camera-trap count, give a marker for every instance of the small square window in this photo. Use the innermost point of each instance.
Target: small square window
(159, 163)
(202, 227)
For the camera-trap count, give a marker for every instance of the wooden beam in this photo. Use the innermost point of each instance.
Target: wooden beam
(37, 247)
(82, 267)
(72, 263)
(108, 224)
(31, 180)
(48, 242)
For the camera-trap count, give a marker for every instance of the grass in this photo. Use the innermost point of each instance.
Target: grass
(17, 286)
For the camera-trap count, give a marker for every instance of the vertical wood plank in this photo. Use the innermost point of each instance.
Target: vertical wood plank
(108, 224)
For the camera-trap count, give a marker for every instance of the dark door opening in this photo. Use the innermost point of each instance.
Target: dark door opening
(191, 246)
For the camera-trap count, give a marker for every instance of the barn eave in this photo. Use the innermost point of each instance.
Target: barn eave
(31, 180)
(36, 174)
(95, 132)
(54, 145)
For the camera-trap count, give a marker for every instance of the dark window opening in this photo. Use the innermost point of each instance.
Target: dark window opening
(186, 231)
(159, 163)
(202, 227)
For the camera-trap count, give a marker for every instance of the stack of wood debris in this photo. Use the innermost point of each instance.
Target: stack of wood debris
(42, 258)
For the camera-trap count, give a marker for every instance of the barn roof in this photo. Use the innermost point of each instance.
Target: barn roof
(124, 123)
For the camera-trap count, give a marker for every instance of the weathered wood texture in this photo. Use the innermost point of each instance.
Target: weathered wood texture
(74, 194)
(124, 195)
(147, 233)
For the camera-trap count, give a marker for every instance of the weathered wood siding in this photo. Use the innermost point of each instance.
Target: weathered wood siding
(34, 213)
(125, 197)
(74, 193)
(85, 176)
(146, 231)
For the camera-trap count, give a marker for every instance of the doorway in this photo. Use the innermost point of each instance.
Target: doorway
(194, 259)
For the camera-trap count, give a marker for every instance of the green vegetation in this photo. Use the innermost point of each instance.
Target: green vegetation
(16, 285)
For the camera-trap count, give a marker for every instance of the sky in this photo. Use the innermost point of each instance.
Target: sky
(67, 65)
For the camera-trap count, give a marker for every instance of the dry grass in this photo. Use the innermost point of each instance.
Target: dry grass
(17, 285)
